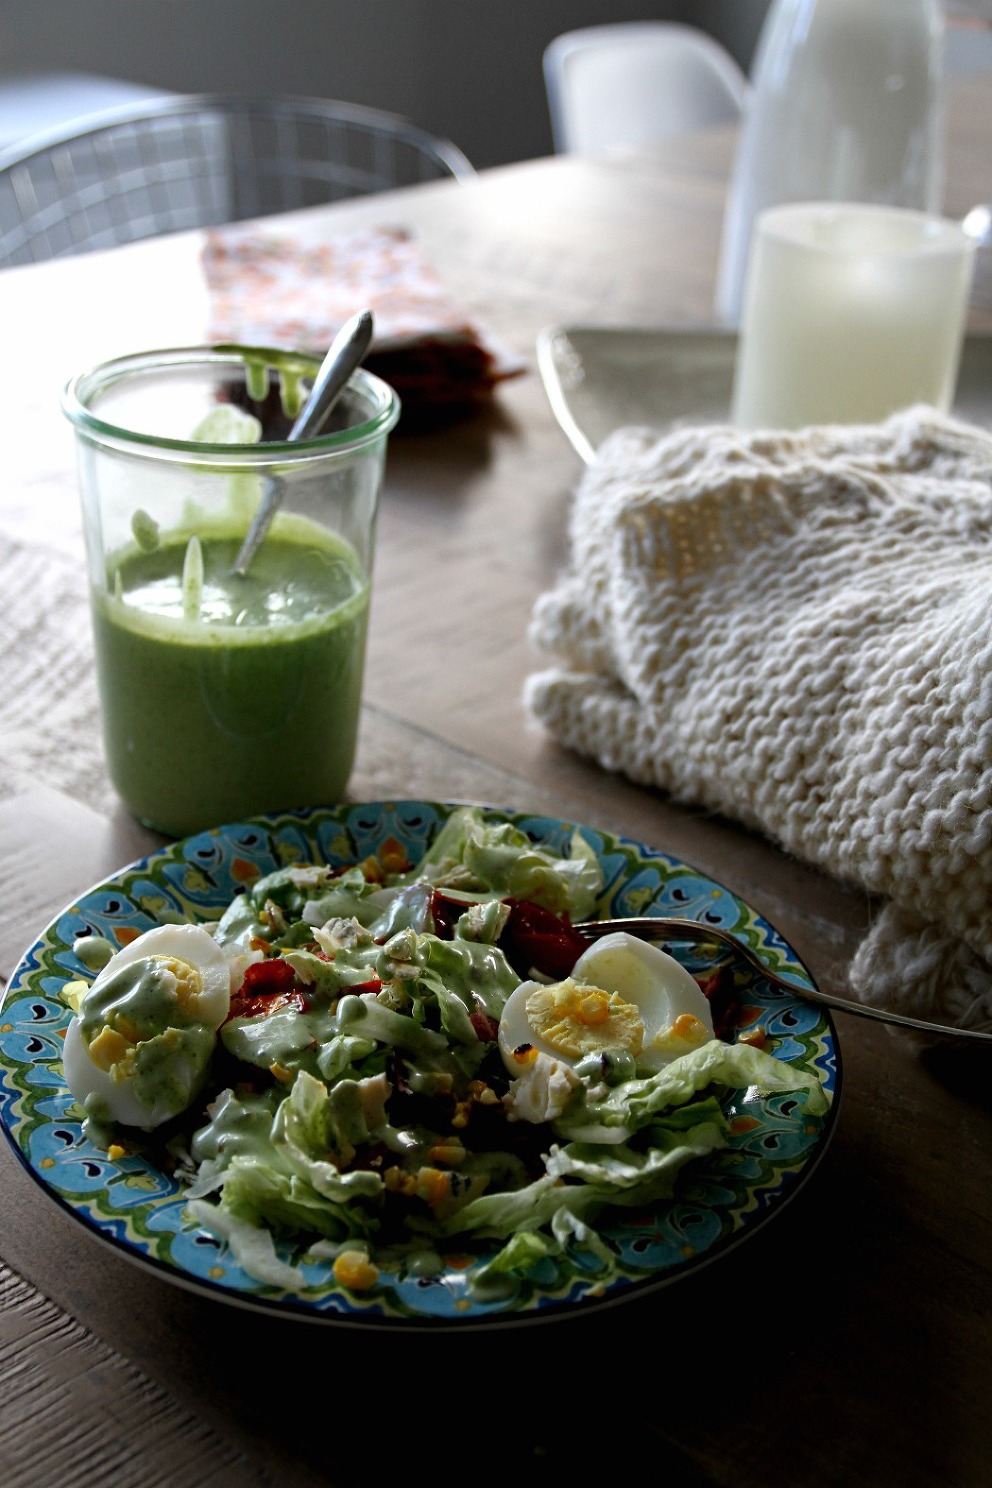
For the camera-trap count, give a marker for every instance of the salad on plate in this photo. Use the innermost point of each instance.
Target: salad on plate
(383, 1065)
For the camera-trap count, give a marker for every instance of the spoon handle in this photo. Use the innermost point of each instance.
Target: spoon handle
(345, 354)
(673, 928)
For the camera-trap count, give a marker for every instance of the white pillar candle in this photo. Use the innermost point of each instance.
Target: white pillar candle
(851, 312)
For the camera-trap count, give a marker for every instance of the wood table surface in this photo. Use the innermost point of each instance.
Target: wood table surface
(847, 1342)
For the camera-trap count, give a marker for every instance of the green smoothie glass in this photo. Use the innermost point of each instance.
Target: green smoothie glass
(226, 695)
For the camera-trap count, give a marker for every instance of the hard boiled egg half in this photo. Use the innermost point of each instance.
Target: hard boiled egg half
(138, 1049)
(624, 995)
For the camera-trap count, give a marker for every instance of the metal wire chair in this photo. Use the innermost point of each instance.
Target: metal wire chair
(193, 161)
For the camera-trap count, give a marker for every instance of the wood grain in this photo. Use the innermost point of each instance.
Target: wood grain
(54, 1420)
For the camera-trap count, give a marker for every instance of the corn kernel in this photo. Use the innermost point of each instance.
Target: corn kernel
(432, 1185)
(396, 1181)
(594, 1008)
(371, 870)
(393, 858)
(73, 993)
(449, 1152)
(477, 1093)
(353, 1269)
(109, 1048)
(689, 1028)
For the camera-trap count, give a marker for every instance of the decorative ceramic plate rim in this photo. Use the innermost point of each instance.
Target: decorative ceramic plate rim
(137, 1209)
(697, 361)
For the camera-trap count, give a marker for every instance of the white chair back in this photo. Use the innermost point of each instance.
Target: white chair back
(628, 84)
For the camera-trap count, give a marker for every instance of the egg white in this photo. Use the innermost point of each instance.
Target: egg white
(206, 1006)
(655, 992)
(197, 947)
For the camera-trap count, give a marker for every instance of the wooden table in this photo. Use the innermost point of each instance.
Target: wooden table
(845, 1343)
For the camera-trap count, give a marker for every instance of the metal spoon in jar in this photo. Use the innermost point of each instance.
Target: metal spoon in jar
(673, 928)
(346, 353)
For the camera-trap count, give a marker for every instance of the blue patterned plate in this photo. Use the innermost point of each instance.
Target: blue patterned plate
(139, 1209)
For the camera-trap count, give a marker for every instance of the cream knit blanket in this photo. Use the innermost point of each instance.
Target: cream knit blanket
(796, 631)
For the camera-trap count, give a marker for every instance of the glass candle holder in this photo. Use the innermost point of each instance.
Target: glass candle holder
(851, 312)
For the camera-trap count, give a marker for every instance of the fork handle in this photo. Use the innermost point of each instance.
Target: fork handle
(672, 927)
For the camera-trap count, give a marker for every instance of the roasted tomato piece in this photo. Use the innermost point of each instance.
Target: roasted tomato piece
(720, 991)
(532, 938)
(446, 912)
(486, 1027)
(267, 986)
(535, 938)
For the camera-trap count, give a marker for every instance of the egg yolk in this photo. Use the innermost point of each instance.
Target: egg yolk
(154, 986)
(111, 1047)
(188, 979)
(575, 1019)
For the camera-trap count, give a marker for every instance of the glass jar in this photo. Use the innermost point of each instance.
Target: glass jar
(223, 694)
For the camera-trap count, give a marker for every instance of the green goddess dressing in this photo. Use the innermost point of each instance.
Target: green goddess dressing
(227, 695)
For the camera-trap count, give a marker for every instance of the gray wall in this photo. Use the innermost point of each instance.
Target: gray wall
(468, 69)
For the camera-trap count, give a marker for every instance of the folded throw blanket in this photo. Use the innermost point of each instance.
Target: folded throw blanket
(795, 630)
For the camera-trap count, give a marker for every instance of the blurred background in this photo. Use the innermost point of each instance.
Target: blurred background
(469, 70)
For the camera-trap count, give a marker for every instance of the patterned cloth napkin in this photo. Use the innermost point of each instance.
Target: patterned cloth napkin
(796, 631)
(269, 290)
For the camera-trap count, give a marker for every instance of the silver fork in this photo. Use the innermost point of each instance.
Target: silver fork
(672, 927)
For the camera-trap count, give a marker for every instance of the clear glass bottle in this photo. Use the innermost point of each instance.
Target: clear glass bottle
(847, 105)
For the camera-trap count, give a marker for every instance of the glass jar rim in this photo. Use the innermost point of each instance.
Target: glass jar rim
(87, 385)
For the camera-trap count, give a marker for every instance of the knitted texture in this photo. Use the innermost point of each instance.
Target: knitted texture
(796, 631)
